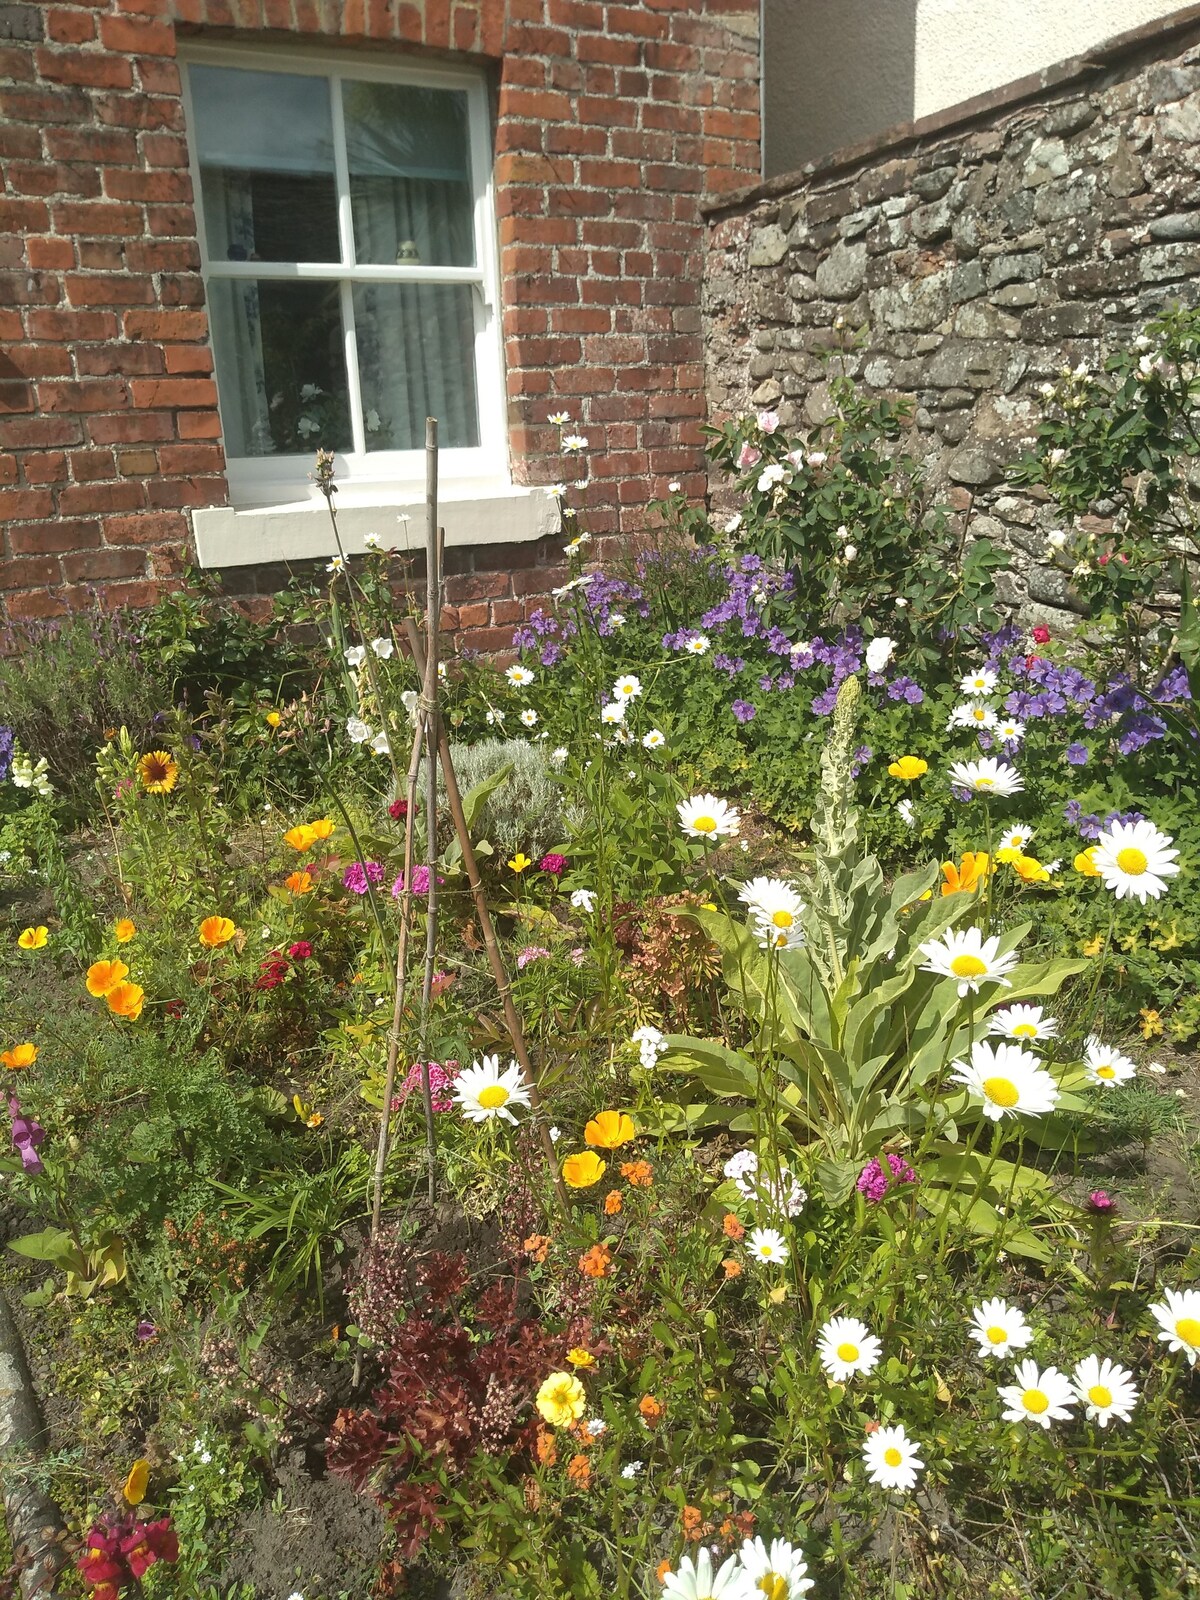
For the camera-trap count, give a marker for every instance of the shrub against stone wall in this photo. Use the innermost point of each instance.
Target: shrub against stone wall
(982, 259)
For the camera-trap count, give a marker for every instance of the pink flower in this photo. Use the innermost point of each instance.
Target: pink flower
(420, 883)
(874, 1181)
(1101, 1203)
(768, 421)
(1041, 634)
(532, 952)
(441, 1077)
(360, 873)
(749, 456)
(553, 862)
(300, 951)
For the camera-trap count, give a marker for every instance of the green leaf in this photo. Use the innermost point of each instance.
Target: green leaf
(836, 1180)
(52, 1244)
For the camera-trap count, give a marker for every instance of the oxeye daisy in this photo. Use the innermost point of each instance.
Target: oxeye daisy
(627, 688)
(987, 776)
(779, 1570)
(613, 713)
(1010, 731)
(1178, 1317)
(697, 644)
(706, 817)
(519, 676)
(999, 1329)
(1105, 1390)
(1023, 1022)
(694, 1579)
(981, 681)
(1038, 1397)
(529, 717)
(767, 1245)
(973, 714)
(775, 909)
(1014, 839)
(483, 1091)
(891, 1458)
(654, 740)
(846, 1346)
(1134, 860)
(1106, 1066)
(1008, 1079)
(968, 957)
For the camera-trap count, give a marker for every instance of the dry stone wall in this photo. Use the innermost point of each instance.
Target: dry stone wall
(981, 257)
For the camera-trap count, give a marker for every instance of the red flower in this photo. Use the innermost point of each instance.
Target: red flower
(398, 809)
(1102, 561)
(1041, 634)
(102, 1562)
(150, 1542)
(300, 951)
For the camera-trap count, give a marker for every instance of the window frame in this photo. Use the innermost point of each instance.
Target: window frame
(263, 480)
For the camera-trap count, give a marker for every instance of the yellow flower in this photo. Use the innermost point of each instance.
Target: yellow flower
(1085, 863)
(561, 1400)
(1093, 947)
(33, 938)
(582, 1171)
(520, 862)
(159, 772)
(125, 1000)
(103, 976)
(124, 930)
(1008, 855)
(320, 829)
(579, 1357)
(1030, 870)
(135, 1484)
(908, 768)
(24, 1055)
(216, 931)
(309, 1117)
(1151, 1024)
(273, 719)
(974, 869)
(610, 1130)
(300, 837)
(298, 882)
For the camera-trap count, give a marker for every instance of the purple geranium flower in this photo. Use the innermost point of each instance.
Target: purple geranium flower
(1077, 755)
(744, 711)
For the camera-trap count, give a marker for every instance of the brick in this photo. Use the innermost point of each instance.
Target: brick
(81, 498)
(72, 324)
(151, 111)
(90, 144)
(137, 36)
(199, 424)
(104, 360)
(92, 566)
(149, 528)
(70, 27)
(48, 538)
(184, 325)
(158, 77)
(23, 216)
(131, 427)
(183, 392)
(137, 463)
(128, 183)
(163, 493)
(86, 69)
(188, 358)
(41, 106)
(27, 289)
(107, 289)
(90, 466)
(102, 395)
(16, 65)
(82, 217)
(28, 572)
(134, 595)
(35, 433)
(34, 606)
(192, 458)
(38, 360)
(46, 466)
(50, 253)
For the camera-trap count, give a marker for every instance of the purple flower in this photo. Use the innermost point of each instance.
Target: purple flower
(420, 883)
(359, 874)
(744, 711)
(1101, 1203)
(145, 1331)
(1077, 755)
(874, 1182)
(7, 740)
(1174, 686)
(905, 689)
(27, 1135)
(860, 759)
(532, 952)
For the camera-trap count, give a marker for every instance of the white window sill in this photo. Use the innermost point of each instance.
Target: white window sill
(472, 514)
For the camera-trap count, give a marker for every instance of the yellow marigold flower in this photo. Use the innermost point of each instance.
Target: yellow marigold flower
(273, 719)
(583, 1170)
(561, 1400)
(159, 772)
(579, 1357)
(908, 768)
(105, 975)
(124, 929)
(298, 882)
(520, 862)
(1085, 863)
(1030, 870)
(609, 1130)
(125, 1000)
(961, 879)
(216, 931)
(136, 1483)
(33, 938)
(1151, 1023)
(24, 1055)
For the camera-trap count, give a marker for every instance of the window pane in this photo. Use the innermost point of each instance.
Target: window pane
(281, 368)
(264, 143)
(416, 359)
(410, 178)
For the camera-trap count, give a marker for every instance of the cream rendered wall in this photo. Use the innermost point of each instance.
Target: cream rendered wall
(838, 71)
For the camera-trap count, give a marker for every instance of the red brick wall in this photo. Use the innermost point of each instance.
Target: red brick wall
(614, 121)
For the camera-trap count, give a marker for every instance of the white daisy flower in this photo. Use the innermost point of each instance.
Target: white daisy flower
(1039, 1397)
(583, 899)
(779, 1571)
(383, 648)
(616, 619)
(573, 443)
(613, 713)
(697, 644)
(654, 740)
(987, 776)
(879, 652)
(372, 541)
(767, 1245)
(335, 565)
(357, 730)
(775, 909)
(1134, 860)
(1010, 731)
(1014, 839)
(627, 688)
(1023, 1022)
(1178, 1316)
(484, 1092)
(633, 1469)
(520, 677)
(706, 817)
(966, 955)
(558, 757)
(495, 716)
(906, 813)
(355, 655)
(696, 1580)
(559, 418)
(1105, 1390)
(974, 714)
(846, 1346)
(1008, 1079)
(529, 717)
(978, 683)
(891, 1458)
(1106, 1066)
(999, 1329)
(573, 549)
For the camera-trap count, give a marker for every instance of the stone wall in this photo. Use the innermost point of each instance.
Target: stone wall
(982, 257)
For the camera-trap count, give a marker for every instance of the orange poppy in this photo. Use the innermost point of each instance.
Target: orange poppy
(125, 1000)
(102, 976)
(124, 930)
(298, 882)
(583, 1170)
(609, 1130)
(974, 869)
(21, 1055)
(216, 931)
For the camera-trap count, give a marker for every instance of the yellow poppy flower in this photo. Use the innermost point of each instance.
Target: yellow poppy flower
(520, 862)
(321, 828)
(610, 1130)
(300, 837)
(33, 938)
(159, 772)
(125, 1000)
(216, 931)
(1151, 1023)
(136, 1483)
(24, 1055)
(1030, 870)
(103, 976)
(972, 872)
(583, 1170)
(908, 768)
(1085, 863)
(124, 930)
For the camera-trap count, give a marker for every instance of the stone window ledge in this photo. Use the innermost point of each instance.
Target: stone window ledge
(472, 514)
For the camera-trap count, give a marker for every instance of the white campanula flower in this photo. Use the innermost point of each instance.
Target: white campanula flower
(891, 1458)
(627, 687)
(1104, 1390)
(1106, 1066)
(1134, 860)
(767, 1246)
(968, 957)
(357, 730)
(654, 740)
(706, 817)
(1008, 1079)
(999, 1329)
(381, 745)
(846, 1346)
(355, 655)
(973, 714)
(383, 648)
(483, 1091)
(1028, 1023)
(1178, 1318)
(779, 1570)
(879, 652)
(987, 776)
(978, 683)
(1037, 1397)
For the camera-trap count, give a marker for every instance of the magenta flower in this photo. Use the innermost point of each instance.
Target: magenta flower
(1101, 1203)
(553, 862)
(146, 1331)
(300, 951)
(420, 883)
(27, 1135)
(874, 1182)
(441, 1078)
(361, 873)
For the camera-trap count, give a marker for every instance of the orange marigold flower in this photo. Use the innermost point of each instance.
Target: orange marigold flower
(662, 1570)
(298, 882)
(103, 976)
(651, 1410)
(124, 929)
(732, 1228)
(612, 1202)
(216, 931)
(638, 1174)
(733, 1269)
(547, 1450)
(579, 1470)
(159, 772)
(21, 1055)
(692, 1518)
(596, 1262)
(609, 1130)
(974, 869)
(536, 1246)
(125, 1000)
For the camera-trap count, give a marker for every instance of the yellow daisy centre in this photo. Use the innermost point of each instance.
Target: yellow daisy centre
(493, 1096)
(997, 1335)
(966, 966)
(766, 1251)
(892, 1456)
(775, 1586)
(1106, 1071)
(1188, 1329)
(783, 919)
(847, 1351)
(1132, 860)
(984, 783)
(1001, 1091)
(1025, 1030)
(979, 714)
(705, 824)
(1100, 1396)
(1034, 1400)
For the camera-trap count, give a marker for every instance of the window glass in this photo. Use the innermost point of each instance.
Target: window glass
(416, 359)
